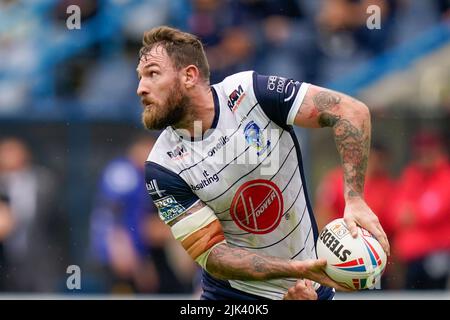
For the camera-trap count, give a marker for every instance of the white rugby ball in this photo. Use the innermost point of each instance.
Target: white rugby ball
(358, 262)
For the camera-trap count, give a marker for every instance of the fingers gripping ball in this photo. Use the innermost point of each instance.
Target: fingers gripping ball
(358, 262)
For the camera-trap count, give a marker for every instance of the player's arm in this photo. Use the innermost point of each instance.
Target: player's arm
(350, 121)
(289, 102)
(201, 235)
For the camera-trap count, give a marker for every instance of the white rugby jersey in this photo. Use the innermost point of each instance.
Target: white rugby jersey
(247, 168)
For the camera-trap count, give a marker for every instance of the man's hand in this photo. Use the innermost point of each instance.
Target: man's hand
(315, 270)
(357, 212)
(302, 290)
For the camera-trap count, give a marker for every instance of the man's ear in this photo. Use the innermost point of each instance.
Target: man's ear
(191, 76)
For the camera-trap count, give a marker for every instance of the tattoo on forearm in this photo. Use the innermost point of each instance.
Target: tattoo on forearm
(353, 146)
(328, 120)
(325, 100)
(240, 264)
(352, 141)
(259, 264)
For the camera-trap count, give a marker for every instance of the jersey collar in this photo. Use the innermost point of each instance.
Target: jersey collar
(214, 123)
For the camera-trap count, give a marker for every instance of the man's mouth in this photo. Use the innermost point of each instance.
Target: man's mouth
(148, 106)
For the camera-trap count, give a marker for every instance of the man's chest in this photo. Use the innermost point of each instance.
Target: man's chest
(228, 158)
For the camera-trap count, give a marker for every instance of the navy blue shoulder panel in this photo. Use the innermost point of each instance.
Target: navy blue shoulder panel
(275, 96)
(171, 194)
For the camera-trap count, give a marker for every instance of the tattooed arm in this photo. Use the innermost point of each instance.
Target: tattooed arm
(350, 121)
(227, 262)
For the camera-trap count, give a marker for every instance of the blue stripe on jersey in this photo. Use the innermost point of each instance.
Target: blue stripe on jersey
(216, 108)
(285, 212)
(304, 244)
(275, 96)
(237, 129)
(272, 244)
(267, 156)
(279, 169)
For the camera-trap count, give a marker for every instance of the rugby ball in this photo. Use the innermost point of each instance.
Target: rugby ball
(358, 262)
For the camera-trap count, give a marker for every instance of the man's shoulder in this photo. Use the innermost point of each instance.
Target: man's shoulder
(234, 80)
(163, 144)
(237, 91)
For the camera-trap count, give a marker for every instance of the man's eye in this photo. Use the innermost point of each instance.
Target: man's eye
(152, 73)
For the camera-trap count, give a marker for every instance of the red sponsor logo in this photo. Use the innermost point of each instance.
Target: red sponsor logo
(235, 98)
(257, 206)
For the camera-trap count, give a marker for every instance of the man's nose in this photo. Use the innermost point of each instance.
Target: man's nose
(142, 90)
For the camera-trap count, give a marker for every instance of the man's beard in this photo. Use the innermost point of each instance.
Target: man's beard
(173, 113)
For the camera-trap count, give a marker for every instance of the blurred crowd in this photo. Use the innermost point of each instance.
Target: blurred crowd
(33, 230)
(316, 41)
(129, 250)
(133, 250)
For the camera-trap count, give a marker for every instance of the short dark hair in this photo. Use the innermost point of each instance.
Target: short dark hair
(183, 48)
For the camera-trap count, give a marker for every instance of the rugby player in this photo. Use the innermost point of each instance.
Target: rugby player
(226, 172)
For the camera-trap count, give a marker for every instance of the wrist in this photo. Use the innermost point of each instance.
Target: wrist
(353, 196)
(299, 268)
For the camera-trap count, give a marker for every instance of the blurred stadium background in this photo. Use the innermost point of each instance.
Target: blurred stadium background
(70, 123)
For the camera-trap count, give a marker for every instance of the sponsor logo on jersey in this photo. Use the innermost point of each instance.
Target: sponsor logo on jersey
(257, 206)
(276, 83)
(205, 182)
(169, 208)
(272, 83)
(289, 90)
(153, 188)
(254, 137)
(220, 143)
(280, 85)
(178, 153)
(235, 98)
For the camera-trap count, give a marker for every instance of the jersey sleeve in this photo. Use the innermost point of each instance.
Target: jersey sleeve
(170, 194)
(279, 97)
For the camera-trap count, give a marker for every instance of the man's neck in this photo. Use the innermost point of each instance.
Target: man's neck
(201, 117)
